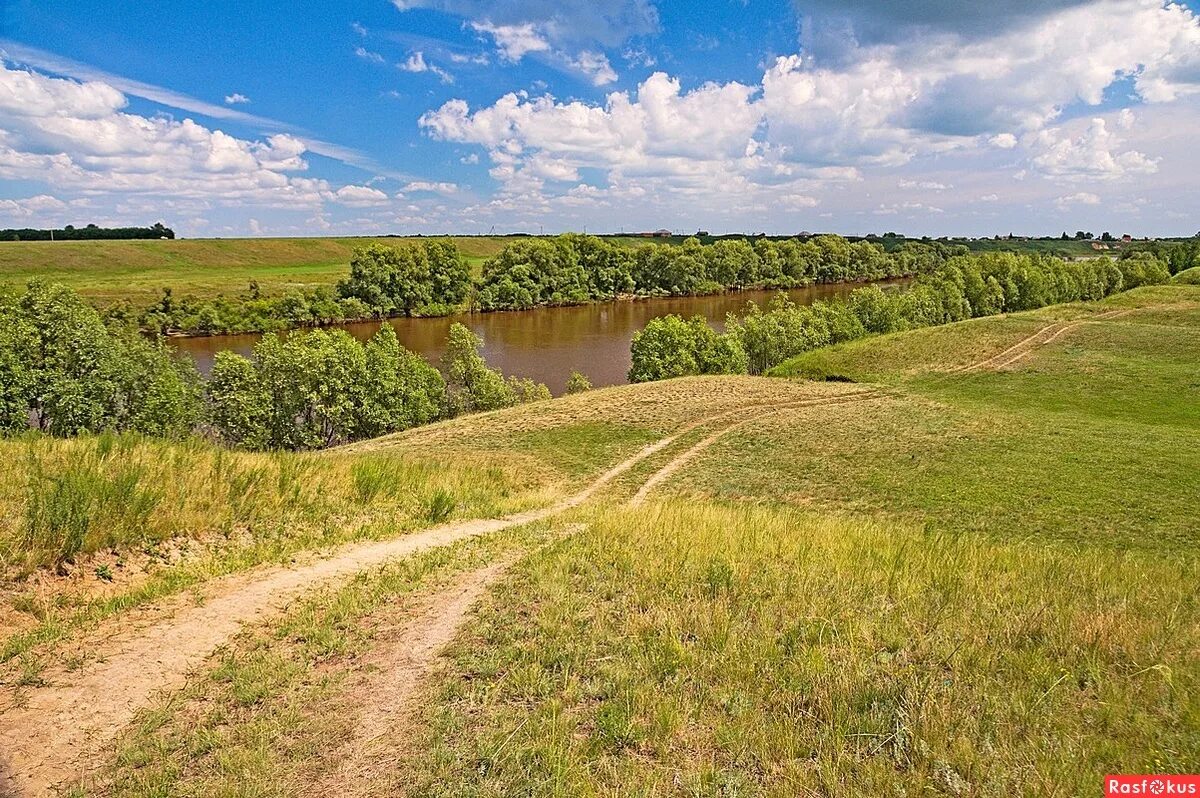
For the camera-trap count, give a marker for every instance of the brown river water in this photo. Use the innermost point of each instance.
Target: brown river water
(545, 344)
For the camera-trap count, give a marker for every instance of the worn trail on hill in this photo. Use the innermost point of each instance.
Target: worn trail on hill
(55, 734)
(1045, 335)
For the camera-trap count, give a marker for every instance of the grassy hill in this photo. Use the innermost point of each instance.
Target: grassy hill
(954, 561)
(138, 271)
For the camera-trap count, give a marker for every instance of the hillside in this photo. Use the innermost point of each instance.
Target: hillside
(956, 560)
(138, 271)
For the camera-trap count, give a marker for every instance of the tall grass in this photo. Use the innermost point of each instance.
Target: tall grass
(60, 499)
(697, 650)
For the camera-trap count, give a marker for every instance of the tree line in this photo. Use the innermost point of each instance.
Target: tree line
(431, 278)
(964, 287)
(64, 370)
(87, 233)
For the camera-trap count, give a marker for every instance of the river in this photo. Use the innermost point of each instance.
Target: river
(545, 344)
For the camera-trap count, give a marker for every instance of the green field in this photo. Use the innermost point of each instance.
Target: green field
(138, 271)
(953, 561)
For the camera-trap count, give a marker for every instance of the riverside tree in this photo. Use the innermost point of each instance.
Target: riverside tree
(404, 279)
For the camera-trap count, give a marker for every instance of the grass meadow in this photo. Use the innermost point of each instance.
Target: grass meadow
(106, 272)
(975, 583)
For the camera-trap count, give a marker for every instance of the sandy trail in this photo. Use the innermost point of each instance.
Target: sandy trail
(382, 691)
(55, 734)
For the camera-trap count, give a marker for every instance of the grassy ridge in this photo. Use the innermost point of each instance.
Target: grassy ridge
(138, 271)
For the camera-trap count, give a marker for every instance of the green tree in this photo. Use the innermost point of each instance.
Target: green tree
(470, 384)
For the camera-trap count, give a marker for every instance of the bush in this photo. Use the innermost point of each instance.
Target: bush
(471, 385)
(578, 383)
(1143, 268)
(669, 346)
(63, 368)
(319, 388)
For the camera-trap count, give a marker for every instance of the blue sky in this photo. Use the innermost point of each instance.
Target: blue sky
(926, 116)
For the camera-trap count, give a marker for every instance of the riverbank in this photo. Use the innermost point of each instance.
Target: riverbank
(545, 344)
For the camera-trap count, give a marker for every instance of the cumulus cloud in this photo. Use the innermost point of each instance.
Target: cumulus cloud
(359, 196)
(236, 99)
(946, 91)
(77, 137)
(1094, 154)
(31, 206)
(514, 42)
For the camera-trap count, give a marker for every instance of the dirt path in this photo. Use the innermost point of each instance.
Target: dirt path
(1026, 346)
(55, 734)
(664, 473)
(382, 692)
(1056, 334)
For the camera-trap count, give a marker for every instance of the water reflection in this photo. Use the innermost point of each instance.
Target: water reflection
(546, 343)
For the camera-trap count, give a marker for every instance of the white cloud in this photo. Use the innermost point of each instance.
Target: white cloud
(1005, 141)
(368, 55)
(514, 42)
(77, 138)
(595, 66)
(429, 186)
(31, 206)
(1091, 155)
(359, 196)
(236, 99)
(564, 22)
(1080, 198)
(416, 63)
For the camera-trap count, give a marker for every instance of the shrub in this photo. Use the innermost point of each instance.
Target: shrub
(578, 383)
(669, 346)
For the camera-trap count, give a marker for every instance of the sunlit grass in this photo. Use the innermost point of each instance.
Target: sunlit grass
(690, 649)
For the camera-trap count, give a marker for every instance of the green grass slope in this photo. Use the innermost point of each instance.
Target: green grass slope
(969, 582)
(107, 271)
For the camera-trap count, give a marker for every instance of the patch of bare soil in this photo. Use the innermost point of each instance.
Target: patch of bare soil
(382, 692)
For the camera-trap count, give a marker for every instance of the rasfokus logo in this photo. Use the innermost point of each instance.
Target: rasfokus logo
(1158, 784)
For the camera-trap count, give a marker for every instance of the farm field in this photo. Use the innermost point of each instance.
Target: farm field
(953, 561)
(138, 271)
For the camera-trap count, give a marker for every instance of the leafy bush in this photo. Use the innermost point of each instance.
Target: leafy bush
(63, 368)
(671, 346)
(578, 383)
(318, 388)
